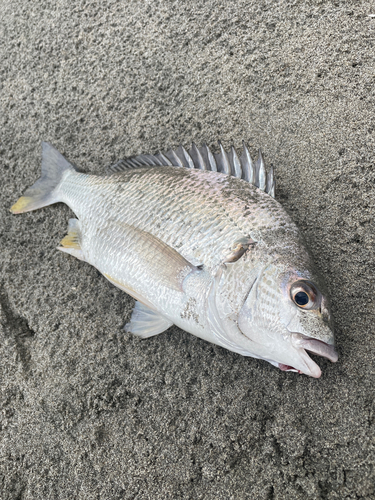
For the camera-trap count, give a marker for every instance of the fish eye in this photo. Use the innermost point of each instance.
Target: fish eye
(301, 298)
(304, 295)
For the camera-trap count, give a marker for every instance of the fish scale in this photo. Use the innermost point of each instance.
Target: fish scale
(209, 249)
(207, 237)
(162, 207)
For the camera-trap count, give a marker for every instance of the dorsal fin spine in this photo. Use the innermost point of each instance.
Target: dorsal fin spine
(188, 159)
(223, 161)
(247, 165)
(203, 159)
(269, 180)
(174, 158)
(261, 169)
(208, 158)
(212, 160)
(197, 157)
(236, 164)
(134, 163)
(164, 160)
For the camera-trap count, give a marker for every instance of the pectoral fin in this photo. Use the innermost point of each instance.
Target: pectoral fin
(145, 322)
(238, 249)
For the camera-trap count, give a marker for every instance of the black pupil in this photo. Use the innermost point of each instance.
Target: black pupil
(301, 298)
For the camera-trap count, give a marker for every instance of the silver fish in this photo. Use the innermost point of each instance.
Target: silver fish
(200, 242)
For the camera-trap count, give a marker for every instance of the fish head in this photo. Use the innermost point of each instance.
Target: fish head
(285, 314)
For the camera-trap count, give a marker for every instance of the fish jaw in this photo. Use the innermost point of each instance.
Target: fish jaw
(305, 365)
(302, 343)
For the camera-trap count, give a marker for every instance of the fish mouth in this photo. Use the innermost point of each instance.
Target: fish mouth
(303, 343)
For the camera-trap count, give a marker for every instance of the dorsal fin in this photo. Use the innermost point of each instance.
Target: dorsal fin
(202, 158)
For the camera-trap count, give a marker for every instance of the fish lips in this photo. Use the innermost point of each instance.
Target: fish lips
(302, 343)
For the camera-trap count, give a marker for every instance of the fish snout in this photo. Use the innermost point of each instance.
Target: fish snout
(315, 346)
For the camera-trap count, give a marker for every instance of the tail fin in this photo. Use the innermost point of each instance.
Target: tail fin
(44, 191)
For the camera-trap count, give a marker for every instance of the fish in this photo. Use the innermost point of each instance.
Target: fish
(199, 241)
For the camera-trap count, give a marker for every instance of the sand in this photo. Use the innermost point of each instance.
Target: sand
(86, 410)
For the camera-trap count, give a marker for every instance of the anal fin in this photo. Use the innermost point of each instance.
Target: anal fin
(145, 322)
(71, 244)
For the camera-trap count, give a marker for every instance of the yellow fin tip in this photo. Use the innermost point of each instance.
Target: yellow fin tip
(20, 205)
(70, 241)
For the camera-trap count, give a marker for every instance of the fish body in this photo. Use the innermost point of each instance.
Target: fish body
(210, 251)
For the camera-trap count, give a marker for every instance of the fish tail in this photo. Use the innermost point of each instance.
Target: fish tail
(45, 191)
